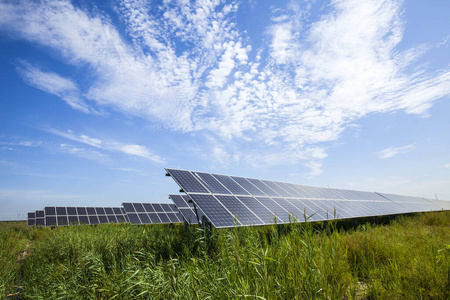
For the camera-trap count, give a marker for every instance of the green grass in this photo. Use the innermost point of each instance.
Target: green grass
(406, 259)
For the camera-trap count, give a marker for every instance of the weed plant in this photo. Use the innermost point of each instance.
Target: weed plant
(406, 259)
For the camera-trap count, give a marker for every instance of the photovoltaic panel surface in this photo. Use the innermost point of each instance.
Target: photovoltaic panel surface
(186, 209)
(31, 219)
(62, 216)
(152, 213)
(229, 201)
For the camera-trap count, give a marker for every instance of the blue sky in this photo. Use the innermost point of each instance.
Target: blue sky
(97, 98)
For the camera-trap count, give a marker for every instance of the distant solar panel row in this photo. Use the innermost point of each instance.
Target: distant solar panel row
(152, 213)
(61, 216)
(138, 213)
(229, 201)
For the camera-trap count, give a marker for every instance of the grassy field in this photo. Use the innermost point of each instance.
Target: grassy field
(406, 259)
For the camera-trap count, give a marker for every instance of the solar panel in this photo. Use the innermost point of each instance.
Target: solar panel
(31, 219)
(152, 213)
(40, 220)
(411, 204)
(186, 209)
(62, 216)
(229, 201)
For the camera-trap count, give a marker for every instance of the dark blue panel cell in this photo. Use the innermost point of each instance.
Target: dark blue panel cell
(50, 221)
(31, 215)
(100, 211)
(81, 211)
(61, 211)
(278, 188)
(144, 218)
(164, 218)
(103, 219)
(173, 218)
(214, 211)
(41, 221)
(31, 221)
(62, 220)
(118, 210)
(243, 182)
(112, 219)
(138, 207)
(134, 219)
(93, 220)
(157, 207)
(211, 183)
(263, 187)
(231, 185)
(165, 207)
(122, 219)
(40, 214)
(188, 215)
(179, 201)
(154, 217)
(71, 211)
(83, 220)
(187, 181)
(239, 210)
(148, 207)
(179, 217)
(73, 220)
(109, 211)
(129, 208)
(50, 211)
(281, 214)
(257, 208)
(91, 211)
(173, 207)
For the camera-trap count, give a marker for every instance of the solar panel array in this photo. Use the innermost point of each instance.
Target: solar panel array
(152, 213)
(229, 201)
(186, 209)
(61, 216)
(140, 213)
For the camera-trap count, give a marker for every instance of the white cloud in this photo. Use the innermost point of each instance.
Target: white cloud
(84, 153)
(109, 145)
(190, 68)
(54, 84)
(447, 166)
(393, 151)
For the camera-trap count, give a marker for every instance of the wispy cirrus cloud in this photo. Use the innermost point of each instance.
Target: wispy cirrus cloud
(393, 151)
(54, 84)
(109, 145)
(189, 67)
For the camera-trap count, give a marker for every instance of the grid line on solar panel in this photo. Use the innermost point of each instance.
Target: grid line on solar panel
(211, 183)
(277, 188)
(242, 213)
(62, 216)
(230, 184)
(151, 213)
(216, 213)
(248, 186)
(187, 181)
